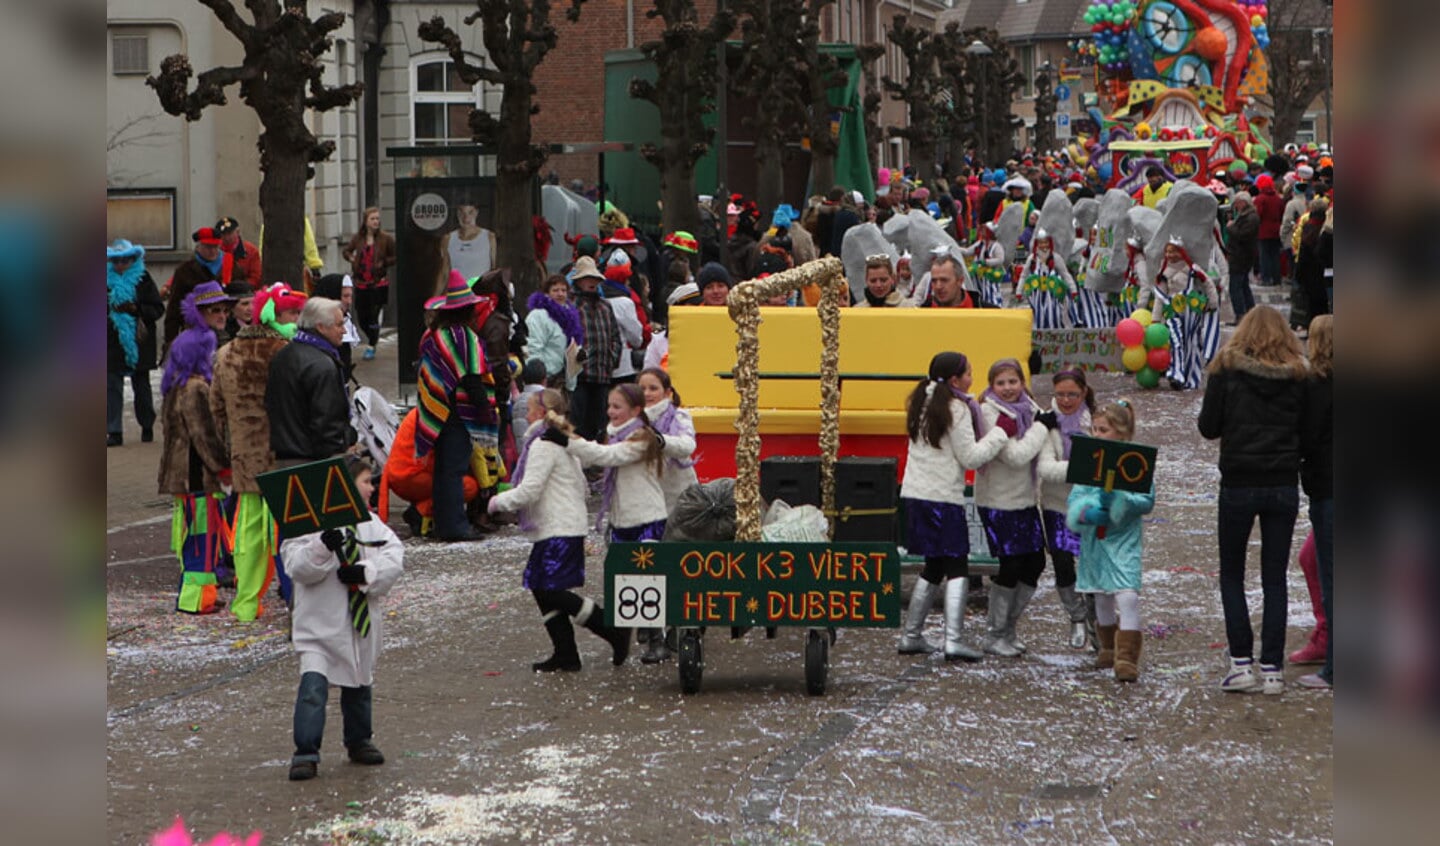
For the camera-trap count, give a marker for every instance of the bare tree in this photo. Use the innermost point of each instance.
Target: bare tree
(822, 73)
(517, 34)
(1044, 113)
(957, 118)
(684, 92)
(994, 82)
(280, 79)
(920, 91)
(772, 75)
(869, 55)
(1299, 63)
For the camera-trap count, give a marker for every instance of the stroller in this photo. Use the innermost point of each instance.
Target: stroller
(375, 423)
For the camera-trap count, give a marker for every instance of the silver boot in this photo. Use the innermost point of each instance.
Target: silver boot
(1023, 595)
(956, 592)
(1074, 605)
(912, 639)
(996, 641)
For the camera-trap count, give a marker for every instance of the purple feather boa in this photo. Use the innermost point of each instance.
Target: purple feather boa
(566, 317)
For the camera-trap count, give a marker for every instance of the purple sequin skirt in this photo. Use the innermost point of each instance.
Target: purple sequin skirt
(1013, 532)
(1058, 535)
(555, 564)
(643, 532)
(936, 529)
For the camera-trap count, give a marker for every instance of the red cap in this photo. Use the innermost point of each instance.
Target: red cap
(206, 235)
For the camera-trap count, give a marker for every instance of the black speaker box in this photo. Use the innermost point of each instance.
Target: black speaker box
(866, 484)
(793, 478)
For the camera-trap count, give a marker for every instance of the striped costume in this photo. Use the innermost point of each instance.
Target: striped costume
(1046, 284)
(1127, 299)
(1089, 309)
(988, 271)
(1185, 298)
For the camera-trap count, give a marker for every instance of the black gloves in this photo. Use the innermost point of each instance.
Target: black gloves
(351, 574)
(556, 437)
(1048, 419)
(581, 354)
(334, 541)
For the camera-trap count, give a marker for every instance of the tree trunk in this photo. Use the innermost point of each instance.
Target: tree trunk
(770, 174)
(1286, 122)
(514, 198)
(822, 170)
(282, 210)
(677, 195)
(922, 156)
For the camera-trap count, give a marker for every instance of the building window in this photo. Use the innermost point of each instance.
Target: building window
(1305, 134)
(1027, 69)
(441, 102)
(129, 54)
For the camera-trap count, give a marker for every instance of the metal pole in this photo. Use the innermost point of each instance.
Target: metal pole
(722, 194)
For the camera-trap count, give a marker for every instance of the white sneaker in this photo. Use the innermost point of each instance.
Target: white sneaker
(1242, 676)
(1272, 680)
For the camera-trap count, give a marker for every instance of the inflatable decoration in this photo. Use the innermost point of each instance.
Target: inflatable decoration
(1057, 217)
(1110, 23)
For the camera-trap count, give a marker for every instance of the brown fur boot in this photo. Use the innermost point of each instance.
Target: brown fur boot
(1105, 659)
(1127, 656)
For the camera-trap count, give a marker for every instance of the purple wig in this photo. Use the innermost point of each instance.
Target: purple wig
(192, 353)
(566, 317)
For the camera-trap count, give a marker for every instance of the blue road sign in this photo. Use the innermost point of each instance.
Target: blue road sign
(1062, 92)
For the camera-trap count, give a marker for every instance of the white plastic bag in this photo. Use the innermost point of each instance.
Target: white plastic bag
(783, 523)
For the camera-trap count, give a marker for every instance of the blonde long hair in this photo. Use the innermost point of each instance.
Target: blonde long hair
(1322, 345)
(1262, 336)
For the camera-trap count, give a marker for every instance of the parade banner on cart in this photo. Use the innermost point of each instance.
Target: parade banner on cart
(652, 585)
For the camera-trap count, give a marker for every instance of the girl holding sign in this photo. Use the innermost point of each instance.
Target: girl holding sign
(1005, 495)
(943, 422)
(1073, 404)
(549, 492)
(1110, 559)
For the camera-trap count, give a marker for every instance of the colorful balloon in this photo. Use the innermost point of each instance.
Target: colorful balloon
(1157, 335)
(1147, 378)
(1142, 316)
(1133, 358)
(1158, 359)
(1130, 333)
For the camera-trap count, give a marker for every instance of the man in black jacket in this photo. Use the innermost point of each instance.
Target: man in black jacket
(305, 396)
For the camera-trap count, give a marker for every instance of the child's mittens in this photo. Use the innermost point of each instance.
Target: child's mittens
(334, 541)
(1095, 516)
(1106, 498)
(1006, 424)
(352, 574)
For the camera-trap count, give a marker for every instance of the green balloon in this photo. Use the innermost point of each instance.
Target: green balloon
(1147, 378)
(1157, 335)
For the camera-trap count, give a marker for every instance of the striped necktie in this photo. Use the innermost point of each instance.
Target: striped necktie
(359, 605)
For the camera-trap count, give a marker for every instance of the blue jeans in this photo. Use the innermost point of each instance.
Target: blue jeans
(452, 462)
(310, 702)
(1241, 297)
(1276, 508)
(1322, 518)
(1270, 261)
(115, 400)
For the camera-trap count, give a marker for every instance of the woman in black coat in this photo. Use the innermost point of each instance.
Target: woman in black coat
(1315, 258)
(1255, 403)
(134, 308)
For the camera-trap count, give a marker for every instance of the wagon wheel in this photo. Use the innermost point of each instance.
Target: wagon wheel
(817, 661)
(692, 660)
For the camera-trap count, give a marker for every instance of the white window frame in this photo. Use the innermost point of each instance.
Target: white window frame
(1308, 131)
(129, 34)
(474, 98)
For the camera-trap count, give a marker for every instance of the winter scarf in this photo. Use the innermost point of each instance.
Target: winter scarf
(1023, 410)
(517, 475)
(972, 405)
(566, 317)
(121, 289)
(662, 418)
(192, 353)
(212, 266)
(614, 436)
(1071, 425)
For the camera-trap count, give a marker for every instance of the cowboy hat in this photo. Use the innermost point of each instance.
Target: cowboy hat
(585, 269)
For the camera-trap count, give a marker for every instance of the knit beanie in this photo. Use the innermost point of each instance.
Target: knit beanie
(713, 271)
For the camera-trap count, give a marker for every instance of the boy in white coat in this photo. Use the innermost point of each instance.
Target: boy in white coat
(340, 576)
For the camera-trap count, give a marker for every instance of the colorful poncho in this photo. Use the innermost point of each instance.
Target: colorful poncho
(447, 356)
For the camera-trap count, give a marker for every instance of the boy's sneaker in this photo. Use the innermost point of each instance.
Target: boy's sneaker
(365, 752)
(302, 770)
(1241, 677)
(1272, 680)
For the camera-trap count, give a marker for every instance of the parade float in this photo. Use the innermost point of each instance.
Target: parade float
(1176, 82)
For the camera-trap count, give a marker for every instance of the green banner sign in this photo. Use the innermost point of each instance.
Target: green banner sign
(753, 584)
(309, 498)
(1112, 465)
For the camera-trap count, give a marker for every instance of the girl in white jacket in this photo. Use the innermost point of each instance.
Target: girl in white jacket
(943, 422)
(549, 492)
(339, 577)
(1072, 405)
(1006, 495)
(662, 408)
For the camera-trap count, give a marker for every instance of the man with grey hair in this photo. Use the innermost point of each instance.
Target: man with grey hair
(305, 395)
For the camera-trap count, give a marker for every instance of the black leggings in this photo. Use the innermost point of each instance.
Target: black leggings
(941, 567)
(559, 600)
(1064, 563)
(1020, 568)
(368, 302)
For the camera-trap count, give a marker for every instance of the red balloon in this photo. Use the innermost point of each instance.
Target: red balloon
(1129, 332)
(1158, 359)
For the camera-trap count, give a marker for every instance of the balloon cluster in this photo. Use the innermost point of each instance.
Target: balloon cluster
(1259, 13)
(1146, 346)
(1110, 22)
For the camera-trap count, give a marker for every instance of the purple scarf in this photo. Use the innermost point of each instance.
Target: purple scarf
(1072, 424)
(1024, 410)
(666, 425)
(566, 317)
(517, 475)
(608, 484)
(973, 406)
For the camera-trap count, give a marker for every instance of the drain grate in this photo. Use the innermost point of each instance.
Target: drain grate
(1069, 791)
